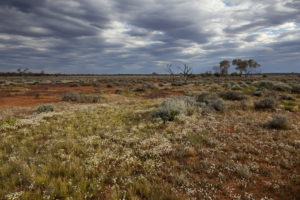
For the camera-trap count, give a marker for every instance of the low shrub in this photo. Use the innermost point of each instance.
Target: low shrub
(109, 86)
(45, 108)
(273, 85)
(266, 103)
(72, 96)
(172, 107)
(281, 87)
(278, 122)
(258, 93)
(149, 86)
(286, 97)
(118, 91)
(296, 89)
(232, 95)
(210, 103)
(140, 89)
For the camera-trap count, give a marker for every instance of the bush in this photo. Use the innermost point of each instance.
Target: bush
(109, 86)
(278, 122)
(273, 85)
(266, 103)
(172, 107)
(118, 91)
(296, 89)
(76, 97)
(232, 95)
(45, 108)
(286, 97)
(210, 103)
(258, 93)
(71, 96)
(149, 86)
(281, 87)
(140, 89)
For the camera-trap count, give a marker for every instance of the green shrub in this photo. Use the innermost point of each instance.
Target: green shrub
(258, 93)
(266, 103)
(273, 85)
(118, 91)
(172, 107)
(232, 95)
(71, 96)
(210, 103)
(296, 89)
(45, 108)
(278, 122)
(286, 97)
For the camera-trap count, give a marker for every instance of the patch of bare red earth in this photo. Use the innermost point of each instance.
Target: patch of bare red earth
(48, 94)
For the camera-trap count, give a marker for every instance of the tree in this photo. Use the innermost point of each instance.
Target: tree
(252, 65)
(224, 66)
(170, 71)
(186, 71)
(245, 65)
(241, 65)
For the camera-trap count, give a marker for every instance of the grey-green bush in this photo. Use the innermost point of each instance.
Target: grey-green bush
(232, 95)
(266, 103)
(171, 107)
(45, 108)
(210, 103)
(71, 96)
(296, 89)
(278, 122)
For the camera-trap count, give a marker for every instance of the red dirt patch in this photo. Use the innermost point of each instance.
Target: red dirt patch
(25, 101)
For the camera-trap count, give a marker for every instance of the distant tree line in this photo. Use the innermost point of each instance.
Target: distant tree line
(243, 66)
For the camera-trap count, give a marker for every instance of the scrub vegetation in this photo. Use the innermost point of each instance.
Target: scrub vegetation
(153, 139)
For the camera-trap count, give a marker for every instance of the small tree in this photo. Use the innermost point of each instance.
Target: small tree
(186, 71)
(241, 65)
(252, 65)
(245, 66)
(169, 70)
(224, 66)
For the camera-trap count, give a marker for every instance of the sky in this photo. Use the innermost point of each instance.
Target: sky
(142, 36)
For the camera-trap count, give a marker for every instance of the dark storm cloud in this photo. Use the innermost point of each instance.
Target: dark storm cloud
(141, 36)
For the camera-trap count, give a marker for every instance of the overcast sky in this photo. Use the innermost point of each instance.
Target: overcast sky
(141, 36)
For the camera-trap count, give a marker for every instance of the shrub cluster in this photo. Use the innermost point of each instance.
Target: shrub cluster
(72, 96)
(296, 89)
(232, 95)
(210, 103)
(45, 108)
(286, 97)
(278, 122)
(171, 107)
(273, 85)
(266, 103)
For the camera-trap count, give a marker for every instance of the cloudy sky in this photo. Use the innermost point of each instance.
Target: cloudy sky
(141, 36)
